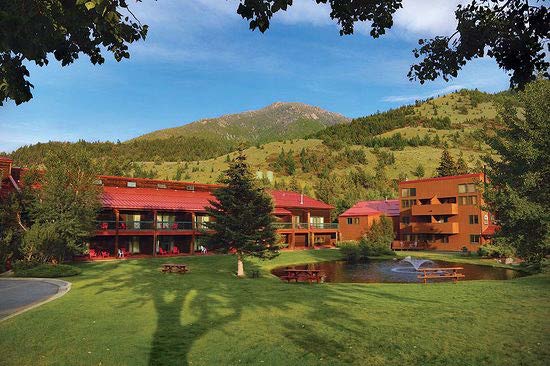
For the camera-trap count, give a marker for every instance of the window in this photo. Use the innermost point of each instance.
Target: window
(408, 203)
(350, 220)
(406, 220)
(161, 185)
(467, 200)
(445, 239)
(131, 184)
(408, 192)
(474, 239)
(190, 188)
(474, 219)
(356, 220)
(466, 188)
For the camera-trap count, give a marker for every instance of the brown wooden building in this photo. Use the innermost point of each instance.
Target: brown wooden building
(356, 221)
(444, 213)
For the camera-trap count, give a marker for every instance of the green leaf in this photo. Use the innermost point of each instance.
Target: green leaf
(90, 5)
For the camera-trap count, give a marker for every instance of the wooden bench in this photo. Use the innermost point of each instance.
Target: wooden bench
(174, 268)
(443, 273)
(308, 275)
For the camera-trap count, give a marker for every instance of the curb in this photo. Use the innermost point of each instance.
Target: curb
(62, 288)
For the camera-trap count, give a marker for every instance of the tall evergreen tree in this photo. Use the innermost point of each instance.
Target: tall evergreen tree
(242, 214)
(461, 165)
(447, 165)
(520, 193)
(419, 171)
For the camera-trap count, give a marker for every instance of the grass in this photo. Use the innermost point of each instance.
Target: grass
(127, 313)
(48, 271)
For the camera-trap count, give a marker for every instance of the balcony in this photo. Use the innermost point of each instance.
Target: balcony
(441, 209)
(282, 225)
(324, 225)
(174, 225)
(433, 227)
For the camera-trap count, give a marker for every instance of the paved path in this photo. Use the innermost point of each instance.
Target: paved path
(19, 295)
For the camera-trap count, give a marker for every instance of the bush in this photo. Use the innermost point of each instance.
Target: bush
(377, 241)
(495, 251)
(350, 249)
(47, 270)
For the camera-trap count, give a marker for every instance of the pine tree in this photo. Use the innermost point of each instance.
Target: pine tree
(461, 165)
(447, 164)
(242, 216)
(419, 172)
(519, 193)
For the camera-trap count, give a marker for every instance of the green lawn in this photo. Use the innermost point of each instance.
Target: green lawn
(127, 313)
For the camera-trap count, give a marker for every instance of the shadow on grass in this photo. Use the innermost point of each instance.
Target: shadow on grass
(210, 297)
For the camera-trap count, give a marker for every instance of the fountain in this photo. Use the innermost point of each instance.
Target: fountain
(416, 263)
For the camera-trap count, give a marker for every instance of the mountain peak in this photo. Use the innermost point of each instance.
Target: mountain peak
(279, 120)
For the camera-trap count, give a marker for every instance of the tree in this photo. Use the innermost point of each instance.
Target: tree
(419, 172)
(513, 32)
(65, 207)
(519, 193)
(242, 216)
(447, 165)
(461, 165)
(64, 28)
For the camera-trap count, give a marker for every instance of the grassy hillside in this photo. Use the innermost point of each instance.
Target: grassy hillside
(274, 122)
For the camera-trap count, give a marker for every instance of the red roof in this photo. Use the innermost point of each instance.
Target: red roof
(281, 211)
(474, 175)
(172, 199)
(368, 208)
(150, 198)
(290, 199)
(490, 230)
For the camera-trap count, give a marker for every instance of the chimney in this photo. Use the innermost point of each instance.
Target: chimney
(5, 167)
(301, 198)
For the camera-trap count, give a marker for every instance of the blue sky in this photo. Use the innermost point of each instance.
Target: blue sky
(200, 60)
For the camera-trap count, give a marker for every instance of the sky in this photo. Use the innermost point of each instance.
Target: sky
(200, 60)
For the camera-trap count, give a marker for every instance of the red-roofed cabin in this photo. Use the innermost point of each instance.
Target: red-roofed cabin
(148, 216)
(357, 220)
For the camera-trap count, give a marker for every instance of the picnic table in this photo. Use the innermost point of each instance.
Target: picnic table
(309, 275)
(440, 272)
(174, 268)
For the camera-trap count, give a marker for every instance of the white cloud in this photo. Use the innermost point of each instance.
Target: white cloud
(305, 11)
(427, 17)
(412, 98)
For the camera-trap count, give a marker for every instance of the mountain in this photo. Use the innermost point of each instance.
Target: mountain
(278, 121)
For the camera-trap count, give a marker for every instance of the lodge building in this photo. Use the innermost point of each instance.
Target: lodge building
(150, 217)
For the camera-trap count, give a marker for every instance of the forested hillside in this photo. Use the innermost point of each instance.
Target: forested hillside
(340, 164)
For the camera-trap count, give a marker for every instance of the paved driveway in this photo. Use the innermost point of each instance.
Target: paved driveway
(21, 294)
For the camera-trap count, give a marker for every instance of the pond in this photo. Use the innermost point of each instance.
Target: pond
(397, 271)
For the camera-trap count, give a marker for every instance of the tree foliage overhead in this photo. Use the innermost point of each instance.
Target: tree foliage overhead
(346, 12)
(520, 194)
(513, 32)
(33, 30)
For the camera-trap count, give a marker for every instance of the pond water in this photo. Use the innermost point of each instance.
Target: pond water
(397, 271)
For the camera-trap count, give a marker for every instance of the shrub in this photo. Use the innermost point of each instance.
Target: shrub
(350, 249)
(47, 270)
(495, 251)
(377, 241)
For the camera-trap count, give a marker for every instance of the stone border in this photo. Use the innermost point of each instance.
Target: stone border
(62, 288)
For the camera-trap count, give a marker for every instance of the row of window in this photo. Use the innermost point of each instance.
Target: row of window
(352, 220)
(462, 188)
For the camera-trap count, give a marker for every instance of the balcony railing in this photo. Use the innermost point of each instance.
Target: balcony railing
(324, 225)
(441, 209)
(303, 225)
(282, 225)
(434, 227)
(106, 225)
(174, 225)
(136, 225)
